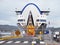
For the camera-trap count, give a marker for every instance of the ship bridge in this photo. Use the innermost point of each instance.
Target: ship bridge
(39, 16)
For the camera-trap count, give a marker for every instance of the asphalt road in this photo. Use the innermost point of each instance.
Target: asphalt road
(25, 41)
(20, 41)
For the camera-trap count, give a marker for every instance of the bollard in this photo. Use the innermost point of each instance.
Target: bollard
(32, 44)
(46, 43)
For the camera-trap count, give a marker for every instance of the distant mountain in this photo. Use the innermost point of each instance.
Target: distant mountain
(53, 29)
(8, 27)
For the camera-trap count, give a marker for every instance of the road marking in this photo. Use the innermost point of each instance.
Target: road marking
(34, 42)
(2, 42)
(17, 42)
(41, 42)
(25, 42)
(9, 42)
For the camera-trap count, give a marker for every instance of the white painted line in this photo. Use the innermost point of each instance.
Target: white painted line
(9, 42)
(25, 42)
(17, 42)
(34, 42)
(41, 42)
(2, 42)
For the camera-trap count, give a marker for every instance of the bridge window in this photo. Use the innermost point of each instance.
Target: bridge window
(21, 20)
(41, 20)
(37, 20)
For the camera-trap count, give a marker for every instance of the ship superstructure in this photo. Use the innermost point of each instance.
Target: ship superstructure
(31, 14)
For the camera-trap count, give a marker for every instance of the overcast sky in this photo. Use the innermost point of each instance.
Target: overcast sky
(9, 17)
